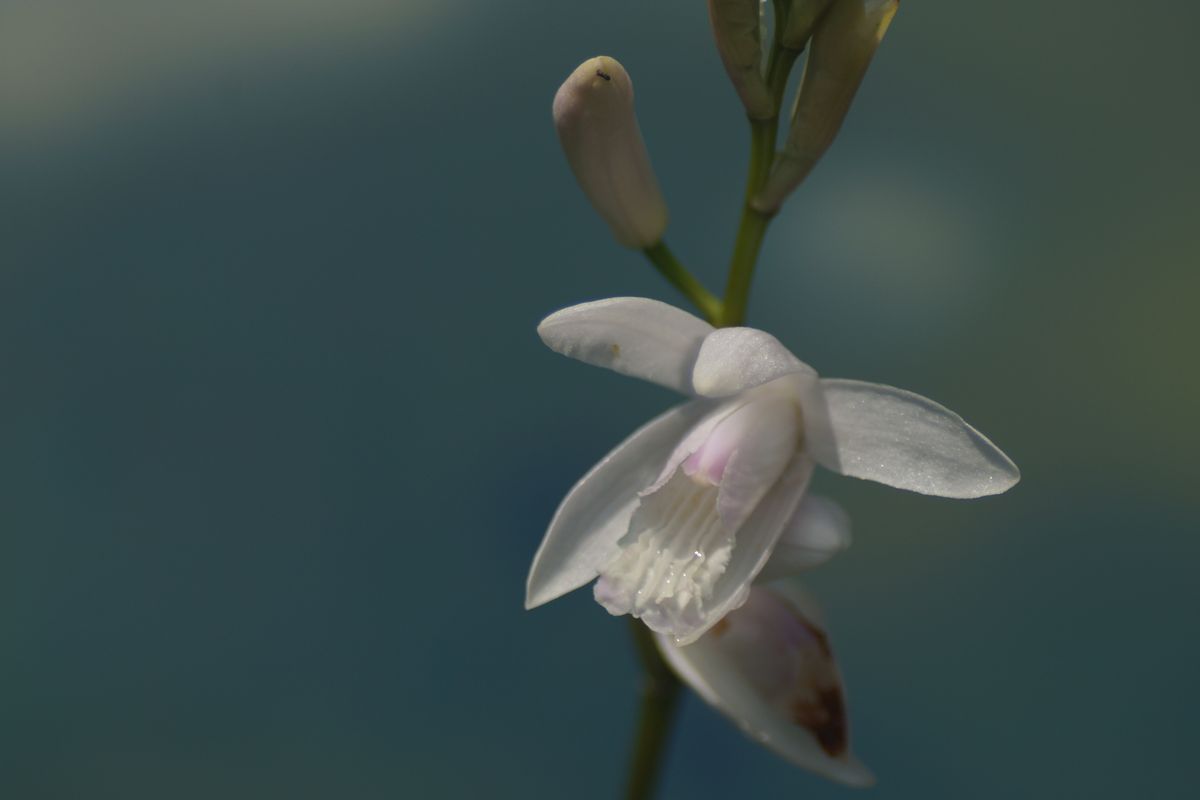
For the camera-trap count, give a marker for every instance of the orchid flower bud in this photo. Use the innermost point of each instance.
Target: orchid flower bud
(844, 41)
(737, 29)
(802, 16)
(596, 123)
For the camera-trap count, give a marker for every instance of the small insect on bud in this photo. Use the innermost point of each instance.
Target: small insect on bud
(843, 42)
(596, 123)
(737, 29)
(802, 16)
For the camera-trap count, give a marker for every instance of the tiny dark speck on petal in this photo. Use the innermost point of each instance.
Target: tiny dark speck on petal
(604, 75)
(616, 350)
(719, 629)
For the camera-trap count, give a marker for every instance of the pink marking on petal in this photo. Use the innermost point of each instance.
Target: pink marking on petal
(707, 464)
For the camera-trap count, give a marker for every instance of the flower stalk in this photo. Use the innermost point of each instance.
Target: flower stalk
(678, 276)
(739, 455)
(753, 226)
(660, 696)
(660, 686)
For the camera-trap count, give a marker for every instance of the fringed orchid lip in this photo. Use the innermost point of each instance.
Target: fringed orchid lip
(682, 537)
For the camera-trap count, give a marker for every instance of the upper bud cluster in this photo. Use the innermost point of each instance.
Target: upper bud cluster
(802, 16)
(844, 40)
(737, 29)
(598, 128)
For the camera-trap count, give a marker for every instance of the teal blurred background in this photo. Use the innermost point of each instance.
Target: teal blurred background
(278, 438)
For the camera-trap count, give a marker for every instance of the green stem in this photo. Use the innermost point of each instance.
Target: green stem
(753, 226)
(660, 687)
(660, 695)
(671, 268)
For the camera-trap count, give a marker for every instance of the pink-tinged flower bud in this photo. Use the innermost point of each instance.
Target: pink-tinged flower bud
(844, 41)
(802, 16)
(737, 27)
(596, 123)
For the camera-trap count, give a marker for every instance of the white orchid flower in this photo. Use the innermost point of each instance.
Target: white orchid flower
(768, 667)
(680, 518)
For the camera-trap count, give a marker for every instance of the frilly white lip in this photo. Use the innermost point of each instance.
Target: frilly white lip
(769, 668)
(758, 468)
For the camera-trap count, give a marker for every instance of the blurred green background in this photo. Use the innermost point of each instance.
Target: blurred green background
(278, 438)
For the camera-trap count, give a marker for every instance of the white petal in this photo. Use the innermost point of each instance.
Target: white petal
(732, 360)
(763, 445)
(907, 441)
(754, 668)
(753, 546)
(631, 335)
(695, 439)
(819, 530)
(583, 535)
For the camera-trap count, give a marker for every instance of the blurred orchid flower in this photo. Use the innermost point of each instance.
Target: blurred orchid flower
(680, 518)
(768, 667)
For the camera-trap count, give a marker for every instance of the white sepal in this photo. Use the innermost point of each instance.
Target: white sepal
(635, 336)
(595, 514)
(889, 435)
(732, 360)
